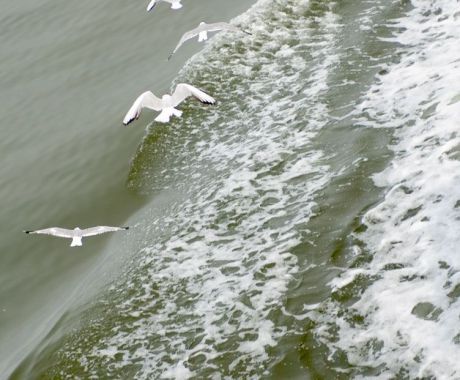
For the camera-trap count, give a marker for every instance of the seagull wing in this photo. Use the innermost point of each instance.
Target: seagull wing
(152, 5)
(221, 26)
(183, 91)
(185, 37)
(101, 230)
(145, 100)
(54, 231)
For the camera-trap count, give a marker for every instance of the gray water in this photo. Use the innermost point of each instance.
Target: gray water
(304, 227)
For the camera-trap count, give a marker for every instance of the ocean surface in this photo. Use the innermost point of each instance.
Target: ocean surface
(304, 227)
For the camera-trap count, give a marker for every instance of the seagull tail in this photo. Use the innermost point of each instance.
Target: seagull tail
(202, 36)
(76, 242)
(166, 114)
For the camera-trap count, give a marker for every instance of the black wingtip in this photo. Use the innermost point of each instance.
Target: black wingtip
(208, 102)
(27, 232)
(169, 57)
(126, 228)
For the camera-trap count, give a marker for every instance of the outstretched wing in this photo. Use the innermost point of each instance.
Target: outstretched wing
(151, 5)
(101, 230)
(183, 91)
(54, 231)
(222, 26)
(145, 100)
(185, 37)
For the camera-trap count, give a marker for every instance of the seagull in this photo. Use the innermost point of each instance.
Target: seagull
(202, 32)
(76, 234)
(167, 103)
(175, 4)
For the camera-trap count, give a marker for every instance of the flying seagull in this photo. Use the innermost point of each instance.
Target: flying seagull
(166, 104)
(175, 4)
(76, 234)
(202, 32)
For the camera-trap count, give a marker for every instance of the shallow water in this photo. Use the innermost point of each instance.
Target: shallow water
(304, 227)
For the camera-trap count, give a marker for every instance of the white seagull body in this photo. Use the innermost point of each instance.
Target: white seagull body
(167, 104)
(76, 234)
(175, 4)
(202, 31)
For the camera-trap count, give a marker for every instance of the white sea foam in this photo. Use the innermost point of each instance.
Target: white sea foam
(207, 290)
(411, 307)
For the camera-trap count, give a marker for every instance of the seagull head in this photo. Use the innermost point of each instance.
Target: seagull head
(77, 229)
(202, 23)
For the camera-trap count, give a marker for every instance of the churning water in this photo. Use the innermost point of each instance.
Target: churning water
(304, 227)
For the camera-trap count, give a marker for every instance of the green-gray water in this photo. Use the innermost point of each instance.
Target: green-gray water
(304, 227)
